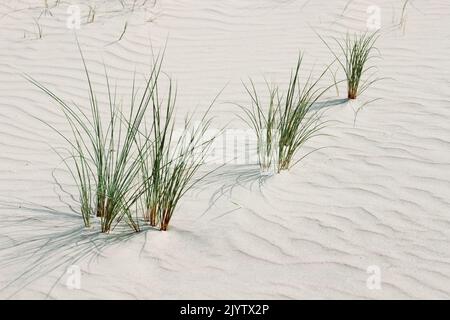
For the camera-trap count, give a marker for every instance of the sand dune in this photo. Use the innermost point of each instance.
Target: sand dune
(377, 195)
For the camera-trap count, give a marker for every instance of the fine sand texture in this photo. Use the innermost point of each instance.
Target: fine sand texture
(371, 203)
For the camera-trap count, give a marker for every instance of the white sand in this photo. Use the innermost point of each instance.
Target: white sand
(377, 196)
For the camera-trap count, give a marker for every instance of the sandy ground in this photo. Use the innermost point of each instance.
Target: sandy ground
(376, 197)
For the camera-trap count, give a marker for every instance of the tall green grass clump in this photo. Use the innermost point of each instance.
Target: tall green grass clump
(175, 155)
(103, 150)
(356, 51)
(288, 118)
(298, 121)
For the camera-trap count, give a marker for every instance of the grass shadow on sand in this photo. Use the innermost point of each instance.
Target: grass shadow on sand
(320, 105)
(225, 180)
(36, 241)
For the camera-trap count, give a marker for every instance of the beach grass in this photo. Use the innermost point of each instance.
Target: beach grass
(288, 118)
(357, 50)
(174, 158)
(106, 163)
(264, 120)
(298, 121)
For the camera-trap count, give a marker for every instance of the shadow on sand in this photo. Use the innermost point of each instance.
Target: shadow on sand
(37, 241)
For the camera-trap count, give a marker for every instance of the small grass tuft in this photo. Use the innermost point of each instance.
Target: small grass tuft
(264, 120)
(288, 120)
(357, 51)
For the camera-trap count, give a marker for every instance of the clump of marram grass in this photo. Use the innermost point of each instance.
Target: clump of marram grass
(264, 120)
(289, 119)
(174, 158)
(104, 154)
(118, 162)
(357, 51)
(298, 122)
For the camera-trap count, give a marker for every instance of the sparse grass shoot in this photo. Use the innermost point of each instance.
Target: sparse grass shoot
(264, 120)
